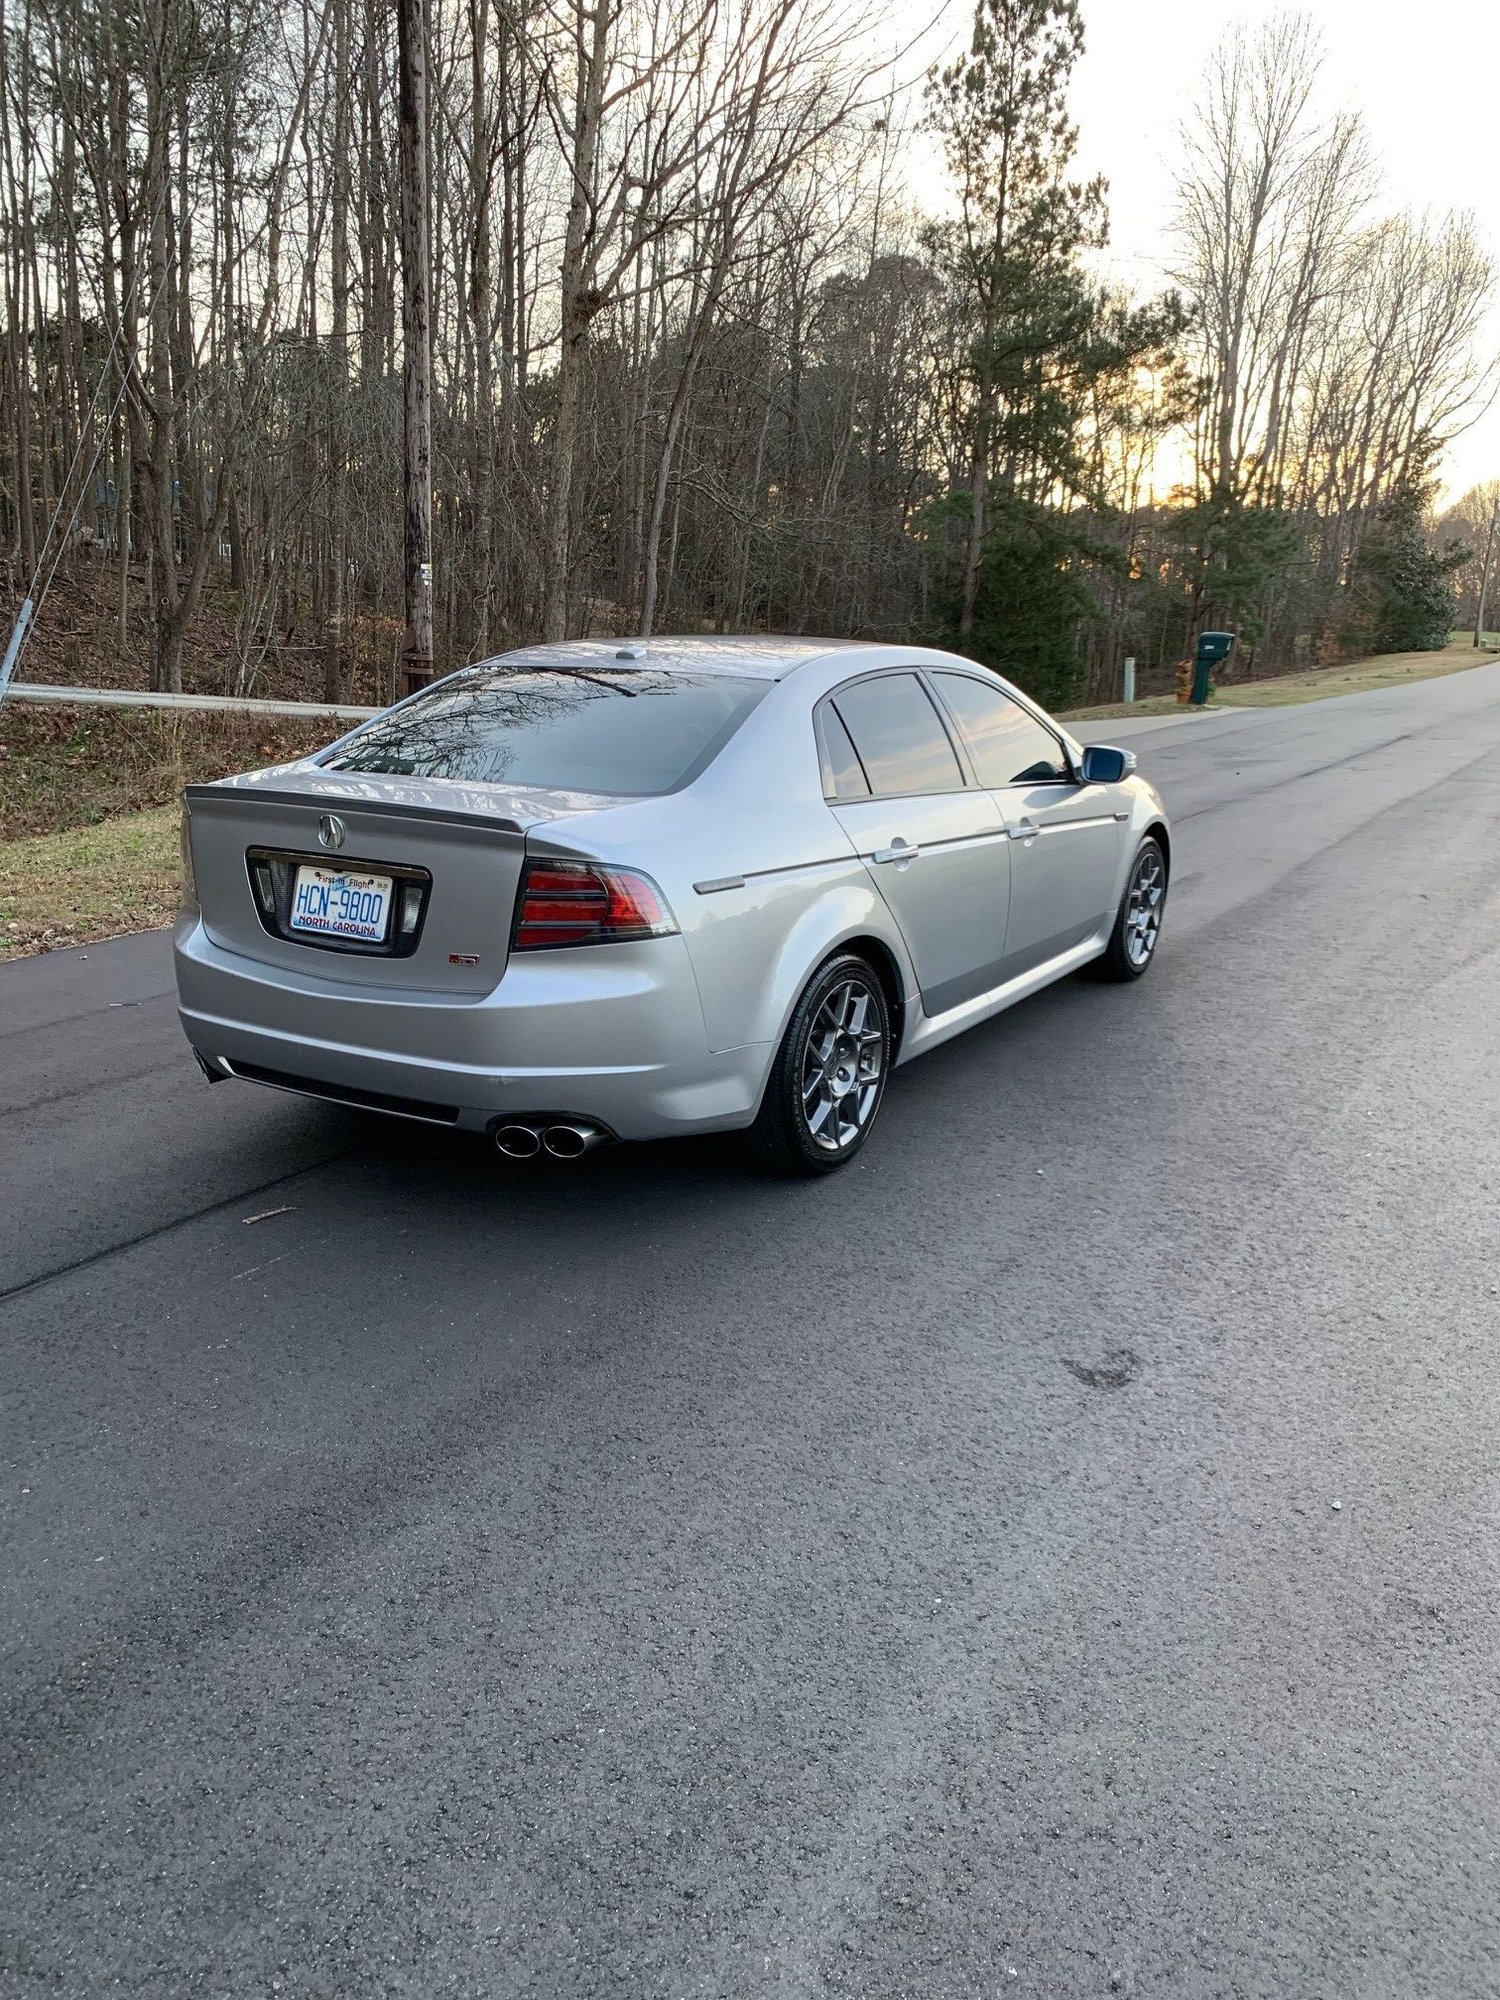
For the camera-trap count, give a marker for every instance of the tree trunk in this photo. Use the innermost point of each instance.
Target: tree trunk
(122, 537)
(335, 675)
(979, 474)
(1484, 574)
(659, 496)
(416, 338)
(155, 475)
(481, 320)
(578, 306)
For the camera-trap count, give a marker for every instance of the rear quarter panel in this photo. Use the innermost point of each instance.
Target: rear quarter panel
(756, 814)
(755, 948)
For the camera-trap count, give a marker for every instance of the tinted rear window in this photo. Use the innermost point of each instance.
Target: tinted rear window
(843, 776)
(631, 734)
(902, 745)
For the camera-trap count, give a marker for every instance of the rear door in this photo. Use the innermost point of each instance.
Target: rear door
(1065, 837)
(934, 842)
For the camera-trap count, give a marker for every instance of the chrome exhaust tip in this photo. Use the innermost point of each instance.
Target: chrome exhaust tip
(518, 1142)
(571, 1142)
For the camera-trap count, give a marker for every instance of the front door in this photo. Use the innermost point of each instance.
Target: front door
(1065, 849)
(935, 844)
(1065, 837)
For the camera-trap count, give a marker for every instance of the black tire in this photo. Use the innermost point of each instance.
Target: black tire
(805, 1091)
(1132, 946)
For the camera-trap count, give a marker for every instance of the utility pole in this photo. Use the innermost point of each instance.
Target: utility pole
(416, 341)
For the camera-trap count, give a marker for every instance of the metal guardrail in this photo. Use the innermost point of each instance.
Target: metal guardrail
(13, 649)
(89, 697)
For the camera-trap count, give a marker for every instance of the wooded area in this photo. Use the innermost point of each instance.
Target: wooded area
(700, 361)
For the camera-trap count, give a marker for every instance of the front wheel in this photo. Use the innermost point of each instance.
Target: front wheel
(1132, 942)
(829, 1074)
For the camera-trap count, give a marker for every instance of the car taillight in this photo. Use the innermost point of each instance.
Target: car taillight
(185, 846)
(583, 902)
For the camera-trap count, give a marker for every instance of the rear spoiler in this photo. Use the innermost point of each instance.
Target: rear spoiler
(321, 802)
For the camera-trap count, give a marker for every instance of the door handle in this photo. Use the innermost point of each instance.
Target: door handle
(899, 851)
(1024, 829)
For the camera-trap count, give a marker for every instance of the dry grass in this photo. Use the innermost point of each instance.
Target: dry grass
(89, 813)
(1155, 704)
(89, 882)
(63, 767)
(1357, 677)
(1317, 684)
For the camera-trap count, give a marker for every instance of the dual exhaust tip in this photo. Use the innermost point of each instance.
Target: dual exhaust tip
(565, 1140)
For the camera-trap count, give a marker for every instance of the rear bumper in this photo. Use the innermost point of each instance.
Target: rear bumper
(615, 1036)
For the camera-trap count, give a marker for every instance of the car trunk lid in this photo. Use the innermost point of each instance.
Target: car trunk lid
(452, 854)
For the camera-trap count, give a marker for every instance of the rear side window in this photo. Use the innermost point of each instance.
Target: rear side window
(898, 736)
(1009, 746)
(843, 774)
(630, 734)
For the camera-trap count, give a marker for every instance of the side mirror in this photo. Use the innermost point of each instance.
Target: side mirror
(1102, 766)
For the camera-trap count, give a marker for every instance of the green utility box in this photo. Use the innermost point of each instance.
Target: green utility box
(1213, 649)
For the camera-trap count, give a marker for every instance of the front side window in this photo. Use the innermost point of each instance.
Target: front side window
(629, 734)
(898, 736)
(1009, 747)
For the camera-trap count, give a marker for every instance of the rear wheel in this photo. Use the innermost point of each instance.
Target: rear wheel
(829, 1074)
(1132, 942)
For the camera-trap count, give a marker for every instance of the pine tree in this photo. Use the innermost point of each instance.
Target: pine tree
(1001, 110)
(1406, 603)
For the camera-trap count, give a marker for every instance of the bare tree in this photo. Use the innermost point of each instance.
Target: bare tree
(697, 357)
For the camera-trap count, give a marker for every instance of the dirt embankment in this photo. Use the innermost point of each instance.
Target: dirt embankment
(63, 767)
(78, 642)
(89, 815)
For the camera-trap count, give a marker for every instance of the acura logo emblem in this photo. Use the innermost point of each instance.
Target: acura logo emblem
(331, 830)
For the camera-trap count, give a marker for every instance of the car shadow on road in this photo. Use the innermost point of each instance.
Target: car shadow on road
(994, 1103)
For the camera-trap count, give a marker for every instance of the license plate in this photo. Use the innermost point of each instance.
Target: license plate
(334, 902)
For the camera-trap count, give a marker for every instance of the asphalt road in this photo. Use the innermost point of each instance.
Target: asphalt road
(1056, 1557)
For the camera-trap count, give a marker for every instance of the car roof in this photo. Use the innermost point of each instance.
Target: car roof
(760, 656)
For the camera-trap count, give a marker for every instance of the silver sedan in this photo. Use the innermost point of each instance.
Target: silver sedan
(618, 891)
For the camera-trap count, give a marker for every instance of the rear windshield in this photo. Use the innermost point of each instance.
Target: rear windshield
(634, 733)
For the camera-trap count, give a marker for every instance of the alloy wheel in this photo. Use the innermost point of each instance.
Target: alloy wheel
(843, 1062)
(1143, 906)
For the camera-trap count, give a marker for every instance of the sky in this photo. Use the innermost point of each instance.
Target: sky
(1424, 78)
